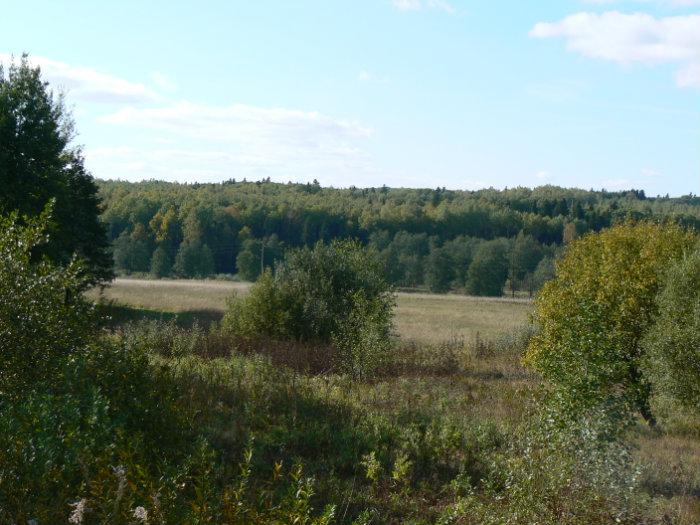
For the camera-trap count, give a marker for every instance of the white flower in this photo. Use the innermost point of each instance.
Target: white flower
(141, 514)
(79, 508)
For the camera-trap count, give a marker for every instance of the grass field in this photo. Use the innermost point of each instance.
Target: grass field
(489, 388)
(419, 317)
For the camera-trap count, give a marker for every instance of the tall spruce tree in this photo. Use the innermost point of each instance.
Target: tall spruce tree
(38, 163)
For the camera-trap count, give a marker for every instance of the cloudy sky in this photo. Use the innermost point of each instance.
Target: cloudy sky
(419, 93)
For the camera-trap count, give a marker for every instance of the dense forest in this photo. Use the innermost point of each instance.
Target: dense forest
(481, 242)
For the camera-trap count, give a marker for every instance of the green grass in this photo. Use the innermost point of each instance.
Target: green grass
(427, 318)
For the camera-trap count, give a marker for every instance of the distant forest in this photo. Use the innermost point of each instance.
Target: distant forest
(481, 242)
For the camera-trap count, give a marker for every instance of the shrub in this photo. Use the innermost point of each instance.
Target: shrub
(593, 315)
(333, 293)
(551, 476)
(673, 343)
(43, 319)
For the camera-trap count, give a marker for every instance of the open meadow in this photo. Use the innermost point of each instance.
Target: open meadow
(420, 317)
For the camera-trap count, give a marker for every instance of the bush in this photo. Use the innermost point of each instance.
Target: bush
(43, 319)
(673, 343)
(333, 293)
(593, 315)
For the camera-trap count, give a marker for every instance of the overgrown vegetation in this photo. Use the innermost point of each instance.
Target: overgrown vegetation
(92, 430)
(159, 423)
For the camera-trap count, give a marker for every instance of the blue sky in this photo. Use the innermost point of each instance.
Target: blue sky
(416, 93)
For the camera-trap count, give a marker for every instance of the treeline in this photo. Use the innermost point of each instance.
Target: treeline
(476, 241)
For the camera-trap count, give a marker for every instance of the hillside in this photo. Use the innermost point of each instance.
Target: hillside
(426, 237)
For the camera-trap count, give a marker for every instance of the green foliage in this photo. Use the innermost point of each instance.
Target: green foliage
(331, 293)
(131, 254)
(545, 271)
(439, 272)
(248, 260)
(37, 164)
(194, 260)
(593, 315)
(93, 430)
(43, 320)
(552, 476)
(489, 269)
(363, 337)
(410, 228)
(672, 345)
(161, 263)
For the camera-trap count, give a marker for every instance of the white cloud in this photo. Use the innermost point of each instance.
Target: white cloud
(689, 76)
(542, 175)
(239, 122)
(367, 76)
(417, 5)
(88, 84)
(630, 38)
(364, 76)
(162, 81)
(215, 142)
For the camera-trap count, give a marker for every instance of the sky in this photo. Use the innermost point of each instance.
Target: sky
(413, 93)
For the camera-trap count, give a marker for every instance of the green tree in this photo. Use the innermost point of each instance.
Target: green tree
(38, 163)
(131, 253)
(544, 272)
(439, 271)
(672, 345)
(248, 260)
(489, 269)
(593, 315)
(194, 260)
(524, 256)
(161, 263)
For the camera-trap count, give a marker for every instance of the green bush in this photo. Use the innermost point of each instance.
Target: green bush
(43, 319)
(673, 343)
(333, 293)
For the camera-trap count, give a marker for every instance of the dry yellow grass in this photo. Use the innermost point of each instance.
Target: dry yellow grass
(419, 317)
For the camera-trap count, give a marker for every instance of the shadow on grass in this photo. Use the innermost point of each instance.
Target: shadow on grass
(115, 315)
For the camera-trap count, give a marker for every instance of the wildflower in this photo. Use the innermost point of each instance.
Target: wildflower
(141, 514)
(79, 508)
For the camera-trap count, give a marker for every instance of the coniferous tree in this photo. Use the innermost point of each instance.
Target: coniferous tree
(38, 163)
